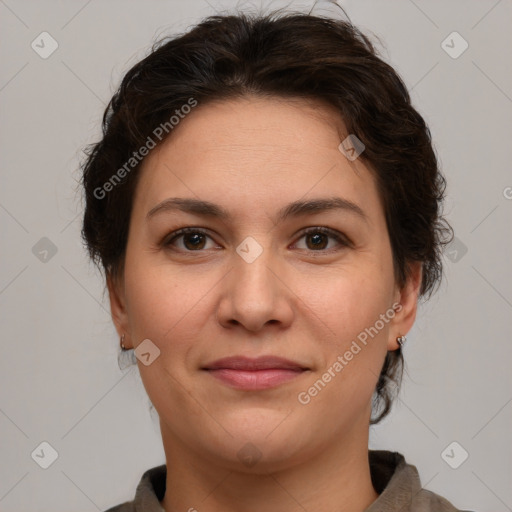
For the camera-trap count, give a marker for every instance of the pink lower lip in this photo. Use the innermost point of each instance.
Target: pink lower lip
(255, 379)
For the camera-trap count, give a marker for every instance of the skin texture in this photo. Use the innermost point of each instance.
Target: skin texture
(253, 156)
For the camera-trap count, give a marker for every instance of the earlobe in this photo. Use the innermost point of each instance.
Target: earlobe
(408, 298)
(117, 305)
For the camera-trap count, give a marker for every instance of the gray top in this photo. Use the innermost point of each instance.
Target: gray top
(396, 482)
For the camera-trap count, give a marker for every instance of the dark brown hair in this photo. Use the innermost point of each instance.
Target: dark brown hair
(289, 55)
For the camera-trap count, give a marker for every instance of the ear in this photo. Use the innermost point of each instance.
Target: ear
(407, 297)
(118, 307)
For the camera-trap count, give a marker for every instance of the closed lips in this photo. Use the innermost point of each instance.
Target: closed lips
(260, 363)
(250, 375)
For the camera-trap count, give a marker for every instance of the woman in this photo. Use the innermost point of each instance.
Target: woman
(266, 206)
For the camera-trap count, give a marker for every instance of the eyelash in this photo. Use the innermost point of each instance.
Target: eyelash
(342, 240)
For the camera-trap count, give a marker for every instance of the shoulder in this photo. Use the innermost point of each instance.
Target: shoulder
(399, 486)
(127, 506)
(150, 491)
(428, 501)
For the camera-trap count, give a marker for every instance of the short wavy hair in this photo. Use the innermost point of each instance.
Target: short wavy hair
(286, 55)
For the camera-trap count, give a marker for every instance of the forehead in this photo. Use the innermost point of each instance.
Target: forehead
(252, 152)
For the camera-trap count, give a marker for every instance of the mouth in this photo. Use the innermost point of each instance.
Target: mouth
(255, 374)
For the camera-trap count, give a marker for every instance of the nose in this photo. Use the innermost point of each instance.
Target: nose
(256, 294)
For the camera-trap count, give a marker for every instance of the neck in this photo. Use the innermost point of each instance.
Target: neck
(336, 479)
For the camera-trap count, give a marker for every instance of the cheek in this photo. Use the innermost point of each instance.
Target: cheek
(166, 305)
(153, 307)
(353, 357)
(351, 300)
(356, 308)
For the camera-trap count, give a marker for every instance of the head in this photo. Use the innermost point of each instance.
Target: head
(296, 246)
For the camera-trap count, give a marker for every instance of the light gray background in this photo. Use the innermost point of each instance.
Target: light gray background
(58, 367)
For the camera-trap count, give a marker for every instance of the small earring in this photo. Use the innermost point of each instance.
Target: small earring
(126, 357)
(401, 340)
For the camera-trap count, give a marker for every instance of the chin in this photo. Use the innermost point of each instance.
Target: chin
(261, 438)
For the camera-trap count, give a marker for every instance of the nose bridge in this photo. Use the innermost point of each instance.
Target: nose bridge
(252, 262)
(255, 295)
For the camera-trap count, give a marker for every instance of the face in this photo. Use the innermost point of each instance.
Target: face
(287, 272)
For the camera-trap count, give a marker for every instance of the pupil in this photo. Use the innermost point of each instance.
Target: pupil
(196, 237)
(318, 239)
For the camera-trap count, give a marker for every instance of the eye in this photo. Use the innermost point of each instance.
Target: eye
(317, 238)
(193, 239)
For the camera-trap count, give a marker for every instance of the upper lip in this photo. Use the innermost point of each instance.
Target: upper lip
(252, 364)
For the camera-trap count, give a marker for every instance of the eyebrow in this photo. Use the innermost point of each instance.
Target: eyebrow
(295, 209)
